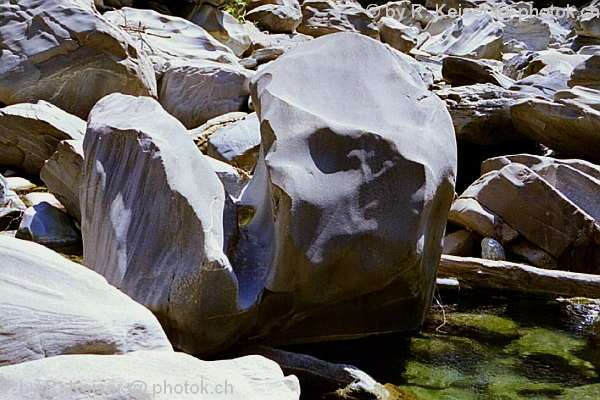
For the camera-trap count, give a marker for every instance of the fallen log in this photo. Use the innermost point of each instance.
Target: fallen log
(479, 273)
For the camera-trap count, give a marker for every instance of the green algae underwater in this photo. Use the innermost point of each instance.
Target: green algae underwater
(482, 346)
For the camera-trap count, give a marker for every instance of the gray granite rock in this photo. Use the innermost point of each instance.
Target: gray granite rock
(320, 190)
(44, 37)
(481, 113)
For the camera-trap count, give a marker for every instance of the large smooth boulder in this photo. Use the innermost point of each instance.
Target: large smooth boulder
(569, 124)
(156, 221)
(165, 38)
(51, 306)
(65, 53)
(146, 375)
(323, 17)
(351, 193)
(481, 113)
(62, 172)
(196, 92)
(469, 36)
(30, 134)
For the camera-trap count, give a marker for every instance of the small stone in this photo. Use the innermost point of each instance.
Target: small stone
(491, 249)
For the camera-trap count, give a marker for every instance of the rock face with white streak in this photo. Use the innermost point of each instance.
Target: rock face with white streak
(569, 124)
(323, 17)
(146, 375)
(51, 306)
(156, 221)
(469, 36)
(196, 92)
(30, 134)
(481, 113)
(44, 36)
(349, 205)
(62, 173)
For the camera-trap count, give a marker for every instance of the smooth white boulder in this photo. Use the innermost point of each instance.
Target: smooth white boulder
(51, 306)
(146, 375)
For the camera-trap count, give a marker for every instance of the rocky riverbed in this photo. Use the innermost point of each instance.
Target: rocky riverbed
(232, 174)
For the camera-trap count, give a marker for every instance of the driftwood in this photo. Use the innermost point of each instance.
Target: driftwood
(504, 275)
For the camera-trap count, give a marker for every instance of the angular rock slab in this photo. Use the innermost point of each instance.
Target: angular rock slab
(30, 134)
(64, 53)
(51, 306)
(570, 124)
(350, 205)
(547, 219)
(156, 220)
(62, 173)
(145, 375)
(578, 180)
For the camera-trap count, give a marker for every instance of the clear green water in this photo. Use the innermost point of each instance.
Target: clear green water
(487, 347)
